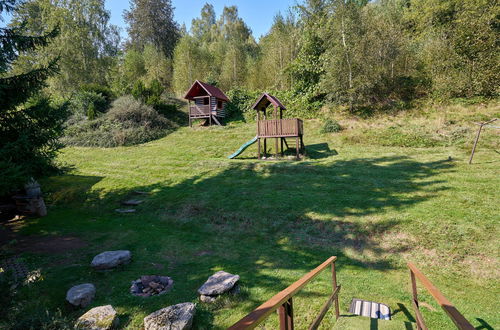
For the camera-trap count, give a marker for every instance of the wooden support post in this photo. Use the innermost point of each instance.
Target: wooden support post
(475, 143)
(265, 147)
(334, 284)
(477, 137)
(277, 123)
(258, 148)
(297, 147)
(282, 154)
(285, 312)
(415, 300)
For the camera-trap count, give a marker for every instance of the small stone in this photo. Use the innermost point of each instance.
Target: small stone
(138, 192)
(81, 295)
(178, 317)
(110, 259)
(98, 318)
(218, 283)
(132, 202)
(125, 210)
(208, 299)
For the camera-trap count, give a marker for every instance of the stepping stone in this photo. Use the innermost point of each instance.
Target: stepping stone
(98, 318)
(111, 259)
(218, 283)
(132, 202)
(81, 295)
(138, 192)
(178, 317)
(125, 210)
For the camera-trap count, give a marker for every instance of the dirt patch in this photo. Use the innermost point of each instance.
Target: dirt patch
(50, 244)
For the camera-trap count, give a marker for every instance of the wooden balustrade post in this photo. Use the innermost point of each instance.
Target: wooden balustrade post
(285, 312)
(415, 299)
(334, 284)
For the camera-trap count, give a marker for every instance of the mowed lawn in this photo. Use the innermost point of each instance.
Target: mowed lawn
(373, 207)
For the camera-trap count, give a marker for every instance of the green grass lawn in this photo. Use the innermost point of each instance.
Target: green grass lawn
(271, 222)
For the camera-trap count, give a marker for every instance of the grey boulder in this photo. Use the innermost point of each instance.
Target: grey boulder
(218, 283)
(98, 318)
(176, 317)
(81, 295)
(111, 259)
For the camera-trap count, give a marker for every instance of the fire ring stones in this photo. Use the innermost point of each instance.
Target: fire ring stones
(150, 285)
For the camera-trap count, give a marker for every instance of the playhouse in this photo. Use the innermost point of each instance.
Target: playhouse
(287, 132)
(206, 102)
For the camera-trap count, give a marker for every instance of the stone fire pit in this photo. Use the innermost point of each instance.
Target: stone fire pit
(150, 285)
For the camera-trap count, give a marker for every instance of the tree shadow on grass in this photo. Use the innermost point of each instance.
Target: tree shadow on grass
(268, 222)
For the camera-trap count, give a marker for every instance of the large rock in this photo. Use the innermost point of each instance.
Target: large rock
(111, 259)
(218, 283)
(176, 317)
(81, 295)
(98, 318)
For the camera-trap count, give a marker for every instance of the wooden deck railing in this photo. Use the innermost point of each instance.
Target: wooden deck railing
(457, 318)
(280, 127)
(199, 110)
(283, 302)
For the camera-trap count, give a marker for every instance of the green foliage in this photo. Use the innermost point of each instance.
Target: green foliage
(331, 126)
(158, 29)
(241, 103)
(128, 122)
(85, 45)
(88, 103)
(29, 123)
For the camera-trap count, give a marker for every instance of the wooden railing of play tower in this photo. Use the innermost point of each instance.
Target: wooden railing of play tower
(283, 302)
(457, 318)
(291, 127)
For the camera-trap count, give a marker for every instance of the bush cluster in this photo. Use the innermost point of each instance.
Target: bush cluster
(242, 100)
(331, 126)
(128, 122)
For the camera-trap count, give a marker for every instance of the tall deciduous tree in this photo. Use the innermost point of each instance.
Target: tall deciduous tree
(86, 43)
(152, 22)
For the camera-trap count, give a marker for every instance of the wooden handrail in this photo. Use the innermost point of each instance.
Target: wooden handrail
(283, 301)
(457, 318)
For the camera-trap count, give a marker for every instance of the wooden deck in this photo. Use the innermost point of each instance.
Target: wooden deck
(292, 127)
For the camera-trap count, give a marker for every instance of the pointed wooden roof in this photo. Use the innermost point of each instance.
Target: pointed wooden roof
(199, 86)
(266, 99)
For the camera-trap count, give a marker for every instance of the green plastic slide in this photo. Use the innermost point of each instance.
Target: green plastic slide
(243, 147)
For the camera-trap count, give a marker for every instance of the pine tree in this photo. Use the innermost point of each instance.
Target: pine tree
(29, 124)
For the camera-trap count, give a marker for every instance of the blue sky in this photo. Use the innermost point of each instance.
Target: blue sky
(258, 14)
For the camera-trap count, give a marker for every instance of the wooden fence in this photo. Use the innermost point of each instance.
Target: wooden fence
(283, 302)
(280, 127)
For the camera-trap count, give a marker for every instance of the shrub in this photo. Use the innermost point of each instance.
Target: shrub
(127, 122)
(88, 103)
(105, 91)
(133, 113)
(331, 126)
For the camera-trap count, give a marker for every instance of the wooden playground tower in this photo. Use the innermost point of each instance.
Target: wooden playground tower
(278, 128)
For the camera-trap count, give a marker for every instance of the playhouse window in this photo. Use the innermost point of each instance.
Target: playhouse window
(219, 104)
(205, 101)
